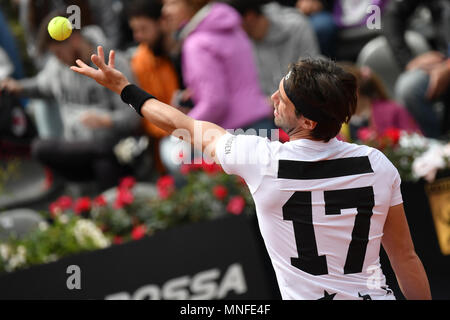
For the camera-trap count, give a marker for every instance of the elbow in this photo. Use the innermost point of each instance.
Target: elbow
(403, 258)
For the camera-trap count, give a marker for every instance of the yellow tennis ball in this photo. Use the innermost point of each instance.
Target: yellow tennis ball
(60, 28)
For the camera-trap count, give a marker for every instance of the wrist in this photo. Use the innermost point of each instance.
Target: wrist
(122, 86)
(135, 97)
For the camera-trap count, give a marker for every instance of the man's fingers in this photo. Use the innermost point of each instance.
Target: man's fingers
(81, 64)
(78, 70)
(83, 68)
(101, 53)
(112, 58)
(90, 72)
(99, 62)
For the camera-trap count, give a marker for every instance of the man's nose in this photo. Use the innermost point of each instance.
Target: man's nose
(274, 98)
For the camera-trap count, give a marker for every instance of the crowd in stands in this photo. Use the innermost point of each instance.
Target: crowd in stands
(217, 61)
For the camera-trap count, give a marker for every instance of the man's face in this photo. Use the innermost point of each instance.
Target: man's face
(176, 12)
(65, 52)
(284, 110)
(145, 30)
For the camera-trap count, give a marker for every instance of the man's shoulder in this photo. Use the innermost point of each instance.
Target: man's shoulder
(248, 144)
(364, 149)
(378, 159)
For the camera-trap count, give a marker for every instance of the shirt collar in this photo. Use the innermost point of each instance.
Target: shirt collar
(316, 145)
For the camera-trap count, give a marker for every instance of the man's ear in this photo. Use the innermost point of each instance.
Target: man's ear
(307, 123)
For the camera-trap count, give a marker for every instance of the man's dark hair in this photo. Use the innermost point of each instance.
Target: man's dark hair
(144, 8)
(245, 6)
(322, 88)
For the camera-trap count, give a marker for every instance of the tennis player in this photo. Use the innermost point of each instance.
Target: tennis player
(324, 206)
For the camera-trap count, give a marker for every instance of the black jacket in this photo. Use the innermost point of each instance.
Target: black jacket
(396, 21)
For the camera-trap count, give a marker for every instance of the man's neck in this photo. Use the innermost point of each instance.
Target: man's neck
(297, 134)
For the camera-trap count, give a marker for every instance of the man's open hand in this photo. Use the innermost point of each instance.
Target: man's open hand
(106, 75)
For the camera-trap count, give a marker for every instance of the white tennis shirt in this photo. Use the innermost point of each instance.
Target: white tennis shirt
(321, 209)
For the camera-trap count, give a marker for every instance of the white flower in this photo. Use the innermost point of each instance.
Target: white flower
(413, 140)
(85, 230)
(43, 226)
(5, 251)
(128, 149)
(64, 219)
(446, 150)
(429, 163)
(123, 150)
(18, 259)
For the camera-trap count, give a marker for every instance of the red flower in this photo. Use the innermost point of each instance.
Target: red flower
(117, 240)
(65, 202)
(166, 186)
(236, 205)
(55, 209)
(127, 183)
(211, 168)
(82, 205)
(138, 232)
(124, 198)
(392, 134)
(100, 201)
(220, 192)
(185, 169)
(365, 134)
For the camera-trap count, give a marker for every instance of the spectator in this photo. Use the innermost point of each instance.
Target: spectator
(351, 13)
(426, 78)
(375, 110)
(94, 120)
(32, 13)
(321, 18)
(218, 64)
(8, 44)
(6, 66)
(107, 14)
(151, 64)
(104, 13)
(280, 36)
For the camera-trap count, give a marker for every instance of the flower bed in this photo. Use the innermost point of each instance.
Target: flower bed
(128, 212)
(415, 156)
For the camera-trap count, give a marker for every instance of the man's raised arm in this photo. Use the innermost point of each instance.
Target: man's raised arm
(199, 133)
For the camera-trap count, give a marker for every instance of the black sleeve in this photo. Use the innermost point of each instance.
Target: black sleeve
(395, 23)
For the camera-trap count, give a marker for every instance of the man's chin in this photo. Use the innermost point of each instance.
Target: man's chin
(278, 125)
(284, 128)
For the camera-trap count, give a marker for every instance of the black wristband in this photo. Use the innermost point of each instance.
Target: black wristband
(135, 97)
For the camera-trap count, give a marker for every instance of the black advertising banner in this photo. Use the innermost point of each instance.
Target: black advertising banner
(220, 259)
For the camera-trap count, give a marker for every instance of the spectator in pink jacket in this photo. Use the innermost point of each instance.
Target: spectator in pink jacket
(218, 66)
(375, 110)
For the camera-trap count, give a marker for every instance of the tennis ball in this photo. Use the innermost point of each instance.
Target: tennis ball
(60, 28)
